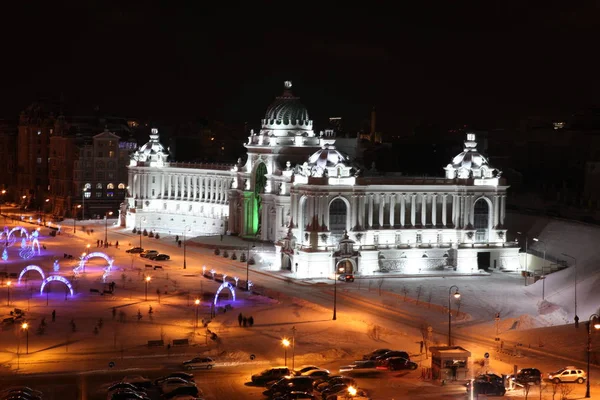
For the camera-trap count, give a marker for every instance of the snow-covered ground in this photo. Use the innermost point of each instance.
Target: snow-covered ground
(386, 311)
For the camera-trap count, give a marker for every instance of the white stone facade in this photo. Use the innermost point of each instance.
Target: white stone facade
(297, 191)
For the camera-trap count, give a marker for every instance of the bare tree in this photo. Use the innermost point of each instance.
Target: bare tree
(565, 391)
(419, 291)
(554, 389)
(380, 284)
(526, 389)
(543, 388)
(405, 290)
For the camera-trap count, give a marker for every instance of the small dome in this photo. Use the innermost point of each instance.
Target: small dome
(152, 152)
(287, 109)
(470, 163)
(327, 157)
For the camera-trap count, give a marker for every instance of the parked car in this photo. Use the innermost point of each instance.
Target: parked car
(397, 363)
(170, 384)
(159, 257)
(270, 374)
(138, 381)
(148, 253)
(304, 368)
(289, 384)
(393, 353)
(135, 250)
(317, 373)
(375, 353)
(183, 391)
(125, 386)
(527, 375)
(359, 365)
(296, 396)
(487, 387)
(346, 278)
(182, 375)
(127, 395)
(199, 363)
(568, 374)
(337, 380)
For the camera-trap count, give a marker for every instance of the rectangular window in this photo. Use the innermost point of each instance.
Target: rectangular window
(111, 154)
(190, 208)
(39, 160)
(110, 175)
(165, 206)
(152, 192)
(153, 179)
(110, 194)
(418, 238)
(98, 194)
(87, 195)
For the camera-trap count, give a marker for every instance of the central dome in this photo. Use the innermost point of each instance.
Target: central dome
(287, 110)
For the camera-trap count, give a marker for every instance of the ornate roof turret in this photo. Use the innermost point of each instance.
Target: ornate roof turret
(470, 163)
(152, 154)
(287, 116)
(328, 162)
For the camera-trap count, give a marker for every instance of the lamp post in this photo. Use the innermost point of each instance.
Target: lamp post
(248, 269)
(335, 294)
(140, 232)
(25, 327)
(543, 265)
(147, 279)
(285, 344)
(589, 349)
(456, 296)
(2, 200)
(293, 345)
(83, 202)
(106, 214)
(526, 265)
(197, 303)
(185, 229)
(8, 284)
(44, 211)
(574, 265)
(75, 217)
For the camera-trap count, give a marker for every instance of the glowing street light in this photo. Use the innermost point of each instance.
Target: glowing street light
(75, 218)
(147, 279)
(589, 348)
(248, 269)
(456, 296)
(352, 391)
(197, 303)
(2, 201)
(106, 228)
(543, 265)
(8, 284)
(25, 327)
(286, 344)
(140, 232)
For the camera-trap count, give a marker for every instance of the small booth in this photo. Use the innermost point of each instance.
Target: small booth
(449, 363)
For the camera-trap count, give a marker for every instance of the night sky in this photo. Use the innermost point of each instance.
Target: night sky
(481, 66)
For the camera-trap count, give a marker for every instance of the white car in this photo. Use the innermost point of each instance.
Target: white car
(568, 374)
(173, 383)
(199, 363)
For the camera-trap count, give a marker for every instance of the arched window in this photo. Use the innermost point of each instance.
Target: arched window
(481, 220)
(98, 186)
(87, 186)
(99, 164)
(337, 216)
(110, 186)
(121, 186)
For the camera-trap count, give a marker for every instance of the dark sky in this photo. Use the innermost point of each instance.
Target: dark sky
(457, 64)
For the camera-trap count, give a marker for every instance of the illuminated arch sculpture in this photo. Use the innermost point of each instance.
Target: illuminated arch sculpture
(31, 268)
(10, 241)
(59, 279)
(225, 285)
(85, 259)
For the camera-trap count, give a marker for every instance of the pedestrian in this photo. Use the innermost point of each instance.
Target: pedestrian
(177, 238)
(240, 317)
(53, 315)
(117, 244)
(98, 243)
(422, 344)
(179, 243)
(221, 238)
(101, 243)
(245, 321)
(251, 321)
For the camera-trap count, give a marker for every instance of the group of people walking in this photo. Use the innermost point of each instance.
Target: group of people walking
(245, 321)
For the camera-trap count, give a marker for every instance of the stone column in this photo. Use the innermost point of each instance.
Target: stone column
(392, 209)
(413, 211)
(402, 209)
(495, 211)
(424, 210)
(444, 209)
(381, 207)
(361, 210)
(434, 210)
(502, 209)
(370, 210)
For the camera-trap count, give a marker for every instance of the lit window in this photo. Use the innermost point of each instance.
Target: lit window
(121, 186)
(110, 186)
(87, 195)
(212, 138)
(39, 160)
(98, 186)
(98, 194)
(110, 194)
(111, 154)
(87, 186)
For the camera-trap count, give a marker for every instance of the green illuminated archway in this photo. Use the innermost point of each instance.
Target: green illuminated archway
(260, 182)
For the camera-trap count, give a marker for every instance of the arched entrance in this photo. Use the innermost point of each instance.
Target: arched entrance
(481, 220)
(224, 285)
(345, 266)
(31, 268)
(56, 278)
(260, 182)
(286, 262)
(338, 218)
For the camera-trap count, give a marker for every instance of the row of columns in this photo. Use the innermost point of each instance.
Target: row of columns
(184, 187)
(370, 211)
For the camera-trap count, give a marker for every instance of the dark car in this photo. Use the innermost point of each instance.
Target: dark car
(270, 374)
(492, 388)
(289, 384)
(183, 391)
(135, 250)
(182, 375)
(375, 353)
(346, 278)
(527, 375)
(159, 257)
(397, 363)
(296, 396)
(394, 353)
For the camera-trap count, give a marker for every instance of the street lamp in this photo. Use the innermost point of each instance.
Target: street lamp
(575, 265)
(44, 212)
(2, 200)
(106, 214)
(543, 265)
(248, 268)
(83, 202)
(147, 280)
(25, 327)
(140, 232)
(335, 293)
(8, 284)
(285, 344)
(526, 240)
(185, 229)
(75, 218)
(456, 296)
(197, 303)
(589, 349)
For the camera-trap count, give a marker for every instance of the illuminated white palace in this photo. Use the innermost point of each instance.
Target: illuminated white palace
(322, 211)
